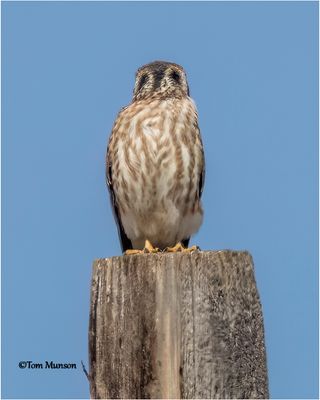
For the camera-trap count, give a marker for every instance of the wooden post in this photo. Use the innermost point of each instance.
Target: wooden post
(183, 325)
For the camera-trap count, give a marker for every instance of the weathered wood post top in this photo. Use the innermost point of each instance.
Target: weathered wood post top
(182, 325)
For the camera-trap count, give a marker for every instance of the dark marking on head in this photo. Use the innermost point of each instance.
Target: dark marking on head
(142, 82)
(174, 75)
(158, 74)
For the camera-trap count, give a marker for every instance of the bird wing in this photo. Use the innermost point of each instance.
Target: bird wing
(126, 243)
(185, 241)
(201, 178)
(203, 170)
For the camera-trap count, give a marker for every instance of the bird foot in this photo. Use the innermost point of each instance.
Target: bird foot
(148, 248)
(180, 248)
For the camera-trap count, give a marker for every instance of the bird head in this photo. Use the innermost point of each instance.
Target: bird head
(160, 79)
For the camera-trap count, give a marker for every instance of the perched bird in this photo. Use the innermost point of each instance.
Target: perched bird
(155, 163)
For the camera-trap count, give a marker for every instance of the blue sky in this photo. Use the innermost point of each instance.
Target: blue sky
(67, 68)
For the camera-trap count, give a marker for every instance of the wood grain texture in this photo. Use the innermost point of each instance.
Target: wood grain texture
(176, 326)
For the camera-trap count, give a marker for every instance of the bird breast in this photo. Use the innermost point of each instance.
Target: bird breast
(157, 162)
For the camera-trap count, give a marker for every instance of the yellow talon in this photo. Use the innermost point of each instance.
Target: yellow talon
(179, 247)
(190, 249)
(148, 248)
(132, 251)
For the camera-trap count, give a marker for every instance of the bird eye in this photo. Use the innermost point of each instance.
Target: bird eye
(175, 76)
(142, 82)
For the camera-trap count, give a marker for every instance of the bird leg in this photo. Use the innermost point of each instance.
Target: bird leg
(179, 247)
(148, 248)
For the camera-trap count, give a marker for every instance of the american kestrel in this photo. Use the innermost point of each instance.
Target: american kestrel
(155, 163)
